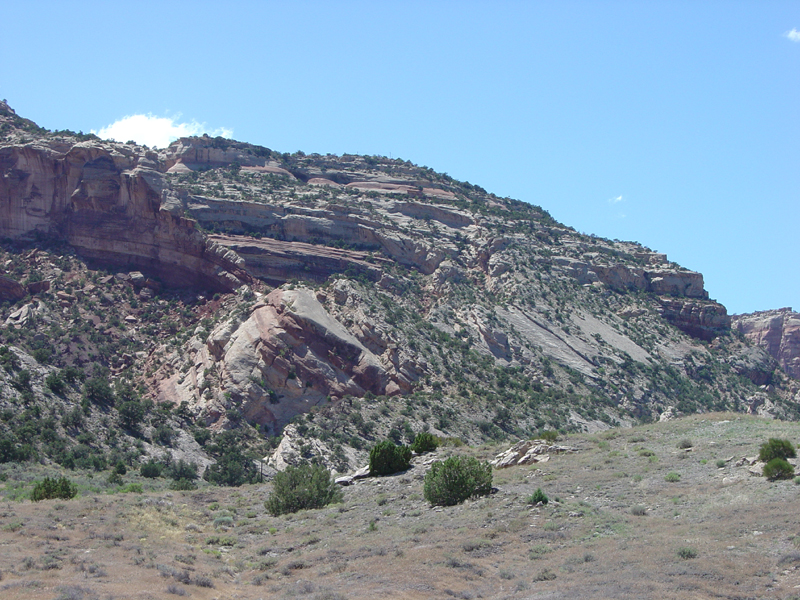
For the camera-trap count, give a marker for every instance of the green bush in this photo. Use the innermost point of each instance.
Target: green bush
(548, 435)
(386, 458)
(424, 442)
(151, 469)
(54, 488)
(778, 468)
(454, 480)
(687, 553)
(672, 477)
(55, 382)
(776, 448)
(183, 470)
(98, 391)
(301, 488)
(233, 468)
(538, 496)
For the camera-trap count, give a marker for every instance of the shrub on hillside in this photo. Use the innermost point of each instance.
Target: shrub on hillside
(424, 442)
(778, 468)
(776, 448)
(151, 469)
(457, 478)
(302, 488)
(54, 488)
(538, 496)
(386, 458)
(233, 468)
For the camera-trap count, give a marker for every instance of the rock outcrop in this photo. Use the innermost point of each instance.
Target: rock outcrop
(700, 319)
(111, 204)
(777, 332)
(287, 356)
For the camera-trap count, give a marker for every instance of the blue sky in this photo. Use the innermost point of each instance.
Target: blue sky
(674, 124)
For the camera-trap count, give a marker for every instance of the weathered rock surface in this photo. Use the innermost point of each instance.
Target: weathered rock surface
(288, 356)
(100, 198)
(777, 332)
(528, 452)
(700, 319)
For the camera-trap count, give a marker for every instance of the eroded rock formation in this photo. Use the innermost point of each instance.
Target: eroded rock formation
(778, 332)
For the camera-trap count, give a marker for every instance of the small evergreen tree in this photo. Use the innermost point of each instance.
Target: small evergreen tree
(454, 480)
(778, 468)
(386, 458)
(301, 488)
(776, 448)
(54, 488)
(424, 442)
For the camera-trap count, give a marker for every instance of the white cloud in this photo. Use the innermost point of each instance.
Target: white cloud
(616, 200)
(156, 132)
(793, 35)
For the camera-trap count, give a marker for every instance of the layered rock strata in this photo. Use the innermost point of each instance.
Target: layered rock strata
(777, 332)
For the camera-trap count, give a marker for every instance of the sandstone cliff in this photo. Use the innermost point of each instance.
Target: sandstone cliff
(778, 332)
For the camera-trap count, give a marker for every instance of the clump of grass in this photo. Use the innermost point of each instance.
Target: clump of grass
(685, 443)
(686, 553)
(538, 551)
(638, 511)
(672, 477)
(720, 463)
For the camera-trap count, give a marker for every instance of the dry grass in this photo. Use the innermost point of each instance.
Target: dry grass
(384, 541)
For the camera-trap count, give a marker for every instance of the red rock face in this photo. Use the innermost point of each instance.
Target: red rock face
(778, 332)
(109, 207)
(700, 319)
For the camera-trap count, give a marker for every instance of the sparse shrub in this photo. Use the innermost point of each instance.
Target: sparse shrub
(548, 435)
(638, 511)
(386, 458)
(55, 382)
(538, 496)
(778, 468)
(300, 488)
(424, 442)
(151, 469)
(183, 485)
(98, 391)
(454, 480)
(720, 463)
(685, 443)
(687, 553)
(232, 468)
(163, 435)
(776, 448)
(54, 488)
(183, 470)
(672, 477)
(131, 414)
(177, 590)
(545, 575)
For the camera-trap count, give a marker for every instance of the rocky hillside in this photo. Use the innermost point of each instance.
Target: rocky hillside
(353, 297)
